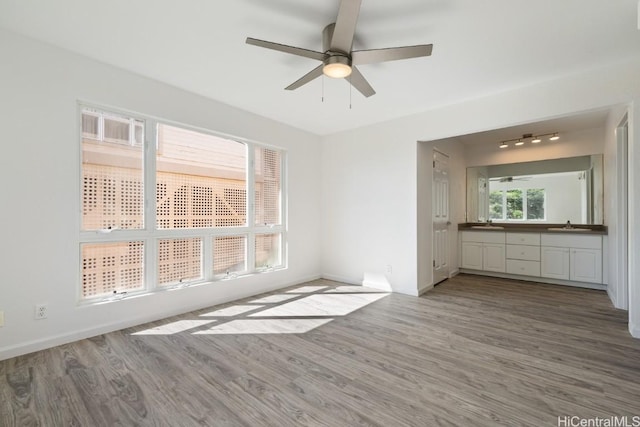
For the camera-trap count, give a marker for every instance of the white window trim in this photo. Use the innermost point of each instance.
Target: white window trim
(150, 235)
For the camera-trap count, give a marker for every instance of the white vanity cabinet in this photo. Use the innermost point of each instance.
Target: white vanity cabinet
(577, 258)
(523, 254)
(483, 250)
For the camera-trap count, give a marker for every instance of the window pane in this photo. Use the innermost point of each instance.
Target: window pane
(535, 203)
(201, 180)
(514, 204)
(116, 130)
(112, 194)
(90, 125)
(267, 176)
(108, 267)
(179, 261)
(268, 254)
(229, 254)
(496, 208)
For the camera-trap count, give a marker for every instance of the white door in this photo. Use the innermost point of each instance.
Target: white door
(554, 262)
(586, 265)
(440, 209)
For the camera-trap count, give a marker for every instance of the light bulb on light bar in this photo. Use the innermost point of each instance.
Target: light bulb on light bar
(555, 137)
(520, 142)
(536, 140)
(503, 145)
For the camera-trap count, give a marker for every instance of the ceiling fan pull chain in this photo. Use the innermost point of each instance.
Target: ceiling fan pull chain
(350, 86)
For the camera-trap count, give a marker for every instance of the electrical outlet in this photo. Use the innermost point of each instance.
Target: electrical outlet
(389, 269)
(1, 319)
(41, 311)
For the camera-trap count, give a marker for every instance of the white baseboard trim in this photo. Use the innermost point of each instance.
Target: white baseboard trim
(634, 330)
(347, 280)
(424, 288)
(612, 296)
(65, 338)
(535, 279)
(454, 273)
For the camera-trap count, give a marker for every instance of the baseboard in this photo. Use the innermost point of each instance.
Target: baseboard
(535, 279)
(454, 273)
(424, 288)
(347, 280)
(65, 338)
(634, 330)
(612, 296)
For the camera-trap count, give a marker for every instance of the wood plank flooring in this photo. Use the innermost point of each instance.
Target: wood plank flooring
(475, 351)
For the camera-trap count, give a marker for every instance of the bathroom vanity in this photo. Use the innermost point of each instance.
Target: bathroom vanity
(574, 257)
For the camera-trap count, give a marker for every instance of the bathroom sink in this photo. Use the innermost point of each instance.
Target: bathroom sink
(487, 227)
(568, 229)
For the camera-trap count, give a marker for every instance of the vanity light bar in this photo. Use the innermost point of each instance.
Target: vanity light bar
(535, 139)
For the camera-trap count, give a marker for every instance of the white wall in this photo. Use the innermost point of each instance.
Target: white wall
(369, 186)
(634, 218)
(40, 215)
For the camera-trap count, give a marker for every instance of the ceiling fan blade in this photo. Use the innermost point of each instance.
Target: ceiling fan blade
(345, 28)
(358, 81)
(390, 54)
(313, 74)
(287, 49)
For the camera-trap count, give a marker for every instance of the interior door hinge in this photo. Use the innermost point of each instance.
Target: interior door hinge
(434, 262)
(434, 163)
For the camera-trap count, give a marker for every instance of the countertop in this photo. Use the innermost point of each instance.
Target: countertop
(535, 228)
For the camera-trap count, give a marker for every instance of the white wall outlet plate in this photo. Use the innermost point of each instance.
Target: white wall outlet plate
(41, 311)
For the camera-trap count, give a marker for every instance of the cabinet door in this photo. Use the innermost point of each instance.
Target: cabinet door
(472, 255)
(554, 262)
(586, 265)
(493, 258)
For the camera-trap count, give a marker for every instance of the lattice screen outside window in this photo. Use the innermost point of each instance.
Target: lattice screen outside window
(179, 261)
(109, 267)
(201, 180)
(112, 182)
(268, 186)
(229, 255)
(268, 250)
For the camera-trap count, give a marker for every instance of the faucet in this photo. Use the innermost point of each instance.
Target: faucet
(568, 225)
(489, 222)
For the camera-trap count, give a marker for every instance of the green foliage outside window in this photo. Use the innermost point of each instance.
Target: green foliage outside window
(510, 204)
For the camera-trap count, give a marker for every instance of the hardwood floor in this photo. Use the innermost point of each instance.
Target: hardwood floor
(474, 351)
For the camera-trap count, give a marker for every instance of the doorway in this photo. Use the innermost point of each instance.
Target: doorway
(441, 221)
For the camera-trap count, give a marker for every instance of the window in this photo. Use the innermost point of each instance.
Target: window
(517, 204)
(182, 208)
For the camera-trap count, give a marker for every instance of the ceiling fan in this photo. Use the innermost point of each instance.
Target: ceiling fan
(338, 60)
(510, 178)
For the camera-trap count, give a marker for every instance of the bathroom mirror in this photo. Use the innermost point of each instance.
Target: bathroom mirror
(544, 192)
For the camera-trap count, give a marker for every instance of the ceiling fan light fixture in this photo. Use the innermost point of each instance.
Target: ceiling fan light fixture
(337, 67)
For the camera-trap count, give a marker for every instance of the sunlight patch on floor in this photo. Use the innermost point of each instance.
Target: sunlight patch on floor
(353, 289)
(174, 327)
(265, 326)
(321, 305)
(231, 311)
(273, 299)
(306, 289)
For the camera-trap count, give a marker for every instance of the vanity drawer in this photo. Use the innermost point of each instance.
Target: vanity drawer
(527, 253)
(483, 236)
(524, 268)
(523, 239)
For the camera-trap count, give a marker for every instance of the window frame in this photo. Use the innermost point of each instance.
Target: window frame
(151, 234)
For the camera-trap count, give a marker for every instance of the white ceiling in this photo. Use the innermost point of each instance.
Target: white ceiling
(480, 47)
